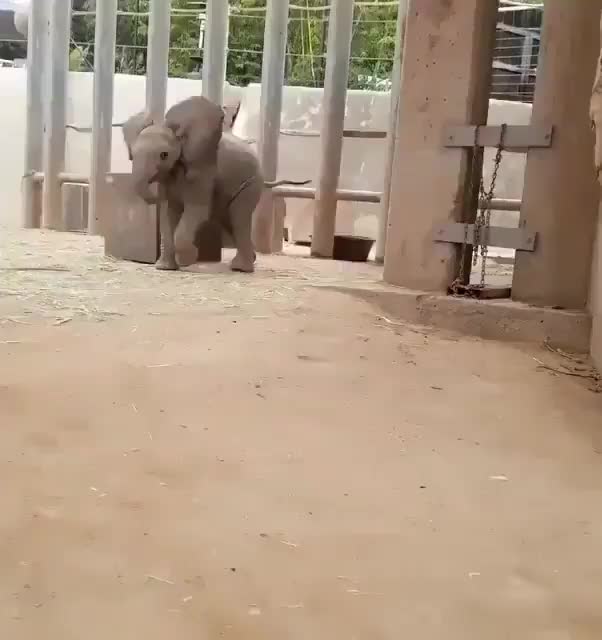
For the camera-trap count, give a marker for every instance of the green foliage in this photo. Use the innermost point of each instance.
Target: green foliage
(372, 49)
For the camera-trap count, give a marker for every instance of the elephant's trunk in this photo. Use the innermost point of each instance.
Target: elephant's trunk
(146, 193)
(142, 185)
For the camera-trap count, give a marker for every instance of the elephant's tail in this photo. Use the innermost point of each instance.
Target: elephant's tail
(280, 183)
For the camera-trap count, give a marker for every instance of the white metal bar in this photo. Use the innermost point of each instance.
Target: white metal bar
(215, 54)
(364, 134)
(383, 219)
(501, 26)
(340, 34)
(272, 81)
(157, 70)
(37, 57)
(74, 178)
(357, 195)
(526, 58)
(102, 130)
(56, 98)
(346, 195)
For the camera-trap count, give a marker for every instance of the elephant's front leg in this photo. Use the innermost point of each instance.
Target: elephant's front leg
(197, 198)
(193, 216)
(241, 218)
(168, 221)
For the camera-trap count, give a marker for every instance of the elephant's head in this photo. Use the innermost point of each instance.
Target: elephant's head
(153, 149)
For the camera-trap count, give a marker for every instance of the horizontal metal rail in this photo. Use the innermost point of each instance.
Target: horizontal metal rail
(74, 178)
(306, 193)
(374, 197)
(366, 134)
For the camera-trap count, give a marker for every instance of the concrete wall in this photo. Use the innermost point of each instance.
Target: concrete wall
(363, 160)
(129, 98)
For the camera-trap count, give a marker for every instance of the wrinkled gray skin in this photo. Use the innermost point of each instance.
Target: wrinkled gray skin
(198, 124)
(237, 190)
(228, 189)
(202, 172)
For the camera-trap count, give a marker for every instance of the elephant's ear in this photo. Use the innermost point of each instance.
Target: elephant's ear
(231, 112)
(198, 124)
(133, 127)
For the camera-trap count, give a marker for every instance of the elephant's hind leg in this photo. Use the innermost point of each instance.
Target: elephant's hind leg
(168, 222)
(241, 218)
(192, 218)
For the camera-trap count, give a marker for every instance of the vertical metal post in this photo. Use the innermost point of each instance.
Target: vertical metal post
(526, 58)
(215, 54)
(340, 33)
(157, 70)
(37, 55)
(54, 152)
(272, 81)
(383, 219)
(102, 127)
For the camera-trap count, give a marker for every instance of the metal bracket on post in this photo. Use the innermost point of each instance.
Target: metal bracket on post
(515, 138)
(518, 138)
(506, 238)
(482, 235)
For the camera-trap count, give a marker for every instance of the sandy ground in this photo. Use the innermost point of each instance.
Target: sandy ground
(209, 455)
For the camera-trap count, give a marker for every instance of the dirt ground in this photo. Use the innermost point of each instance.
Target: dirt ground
(209, 455)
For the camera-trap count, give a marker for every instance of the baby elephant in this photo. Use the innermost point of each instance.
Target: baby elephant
(198, 125)
(203, 172)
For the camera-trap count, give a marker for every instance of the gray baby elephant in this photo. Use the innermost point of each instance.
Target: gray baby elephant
(203, 172)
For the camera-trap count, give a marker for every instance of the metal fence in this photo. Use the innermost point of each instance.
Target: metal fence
(516, 55)
(514, 68)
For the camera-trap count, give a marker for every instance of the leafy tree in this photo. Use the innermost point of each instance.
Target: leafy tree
(372, 51)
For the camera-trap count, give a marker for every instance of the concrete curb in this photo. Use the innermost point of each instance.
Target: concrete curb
(489, 319)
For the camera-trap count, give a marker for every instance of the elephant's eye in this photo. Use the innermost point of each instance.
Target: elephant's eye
(164, 155)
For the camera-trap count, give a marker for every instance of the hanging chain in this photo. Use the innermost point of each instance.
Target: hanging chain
(459, 282)
(483, 219)
(483, 222)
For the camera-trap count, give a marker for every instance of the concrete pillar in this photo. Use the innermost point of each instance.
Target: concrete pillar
(340, 35)
(157, 68)
(383, 218)
(56, 134)
(561, 194)
(102, 128)
(272, 81)
(215, 56)
(37, 60)
(447, 78)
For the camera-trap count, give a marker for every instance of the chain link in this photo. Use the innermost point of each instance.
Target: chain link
(482, 239)
(483, 218)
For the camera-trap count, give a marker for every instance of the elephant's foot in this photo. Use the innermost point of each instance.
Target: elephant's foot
(165, 263)
(186, 254)
(242, 264)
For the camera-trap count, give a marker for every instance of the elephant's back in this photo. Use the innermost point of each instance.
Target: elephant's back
(237, 162)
